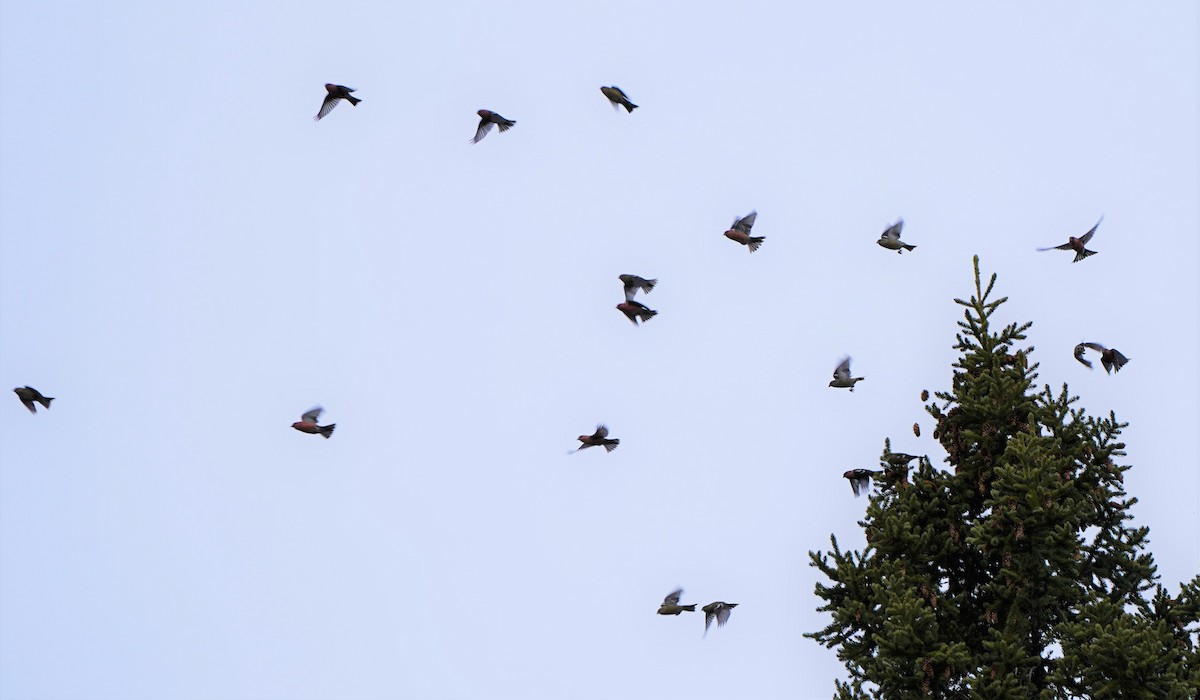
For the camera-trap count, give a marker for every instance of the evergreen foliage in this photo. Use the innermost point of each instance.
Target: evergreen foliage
(1017, 574)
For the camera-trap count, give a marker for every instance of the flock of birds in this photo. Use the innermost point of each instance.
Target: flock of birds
(894, 464)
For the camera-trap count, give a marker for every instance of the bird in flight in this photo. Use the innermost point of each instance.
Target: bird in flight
(635, 310)
(671, 606)
(1077, 244)
(28, 395)
(308, 423)
(842, 378)
(860, 479)
(1112, 359)
(740, 232)
(618, 98)
(890, 238)
(488, 119)
(633, 283)
(598, 439)
(718, 611)
(336, 94)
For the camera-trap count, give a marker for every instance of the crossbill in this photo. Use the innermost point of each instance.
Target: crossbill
(718, 611)
(842, 378)
(336, 94)
(1077, 244)
(635, 310)
(488, 119)
(598, 439)
(1112, 359)
(633, 283)
(28, 395)
(308, 423)
(890, 238)
(617, 97)
(671, 606)
(740, 232)
(860, 479)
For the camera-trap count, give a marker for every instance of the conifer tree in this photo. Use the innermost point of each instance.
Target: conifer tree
(1015, 572)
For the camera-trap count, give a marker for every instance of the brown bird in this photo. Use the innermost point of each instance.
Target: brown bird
(617, 97)
(1077, 244)
(488, 119)
(28, 395)
(633, 283)
(308, 423)
(336, 94)
(718, 611)
(671, 606)
(598, 439)
(740, 232)
(635, 310)
(860, 479)
(1112, 359)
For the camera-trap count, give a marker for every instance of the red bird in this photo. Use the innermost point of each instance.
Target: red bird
(308, 423)
(1077, 244)
(635, 310)
(336, 94)
(598, 439)
(740, 232)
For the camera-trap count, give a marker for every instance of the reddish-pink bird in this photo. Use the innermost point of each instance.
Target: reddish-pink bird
(1077, 244)
(740, 232)
(308, 423)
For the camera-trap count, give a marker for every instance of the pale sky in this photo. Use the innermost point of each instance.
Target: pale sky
(188, 262)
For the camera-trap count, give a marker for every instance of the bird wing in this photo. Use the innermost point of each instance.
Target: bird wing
(1064, 246)
(312, 415)
(1079, 350)
(28, 404)
(843, 370)
(327, 106)
(1091, 232)
(632, 284)
(745, 223)
(601, 432)
(722, 613)
(893, 231)
(485, 125)
(673, 597)
(1119, 360)
(1095, 346)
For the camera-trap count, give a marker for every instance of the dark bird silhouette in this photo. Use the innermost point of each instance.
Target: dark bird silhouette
(617, 97)
(860, 479)
(336, 94)
(633, 283)
(488, 119)
(28, 395)
(1112, 359)
(308, 423)
(718, 611)
(635, 310)
(598, 439)
(897, 460)
(1077, 244)
(740, 232)
(671, 606)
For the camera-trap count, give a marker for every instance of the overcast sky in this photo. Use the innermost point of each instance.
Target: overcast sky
(188, 262)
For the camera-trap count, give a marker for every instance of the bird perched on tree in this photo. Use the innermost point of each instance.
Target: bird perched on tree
(336, 94)
(740, 232)
(860, 479)
(842, 378)
(1077, 244)
(633, 283)
(897, 460)
(718, 611)
(617, 97)
(1112, 359)
(635, 310)
(488, 119)
(671, 606)
(890, 238)
(308, 423)
(28, 395)
(598, 439)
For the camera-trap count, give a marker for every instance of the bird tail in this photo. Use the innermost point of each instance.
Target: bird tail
(353, 100)
(610, 445)
(629, 106)
(907, 246)
(689, 608)
(755, 242)
(327, 430)
(45, 400)
(1083, 254)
